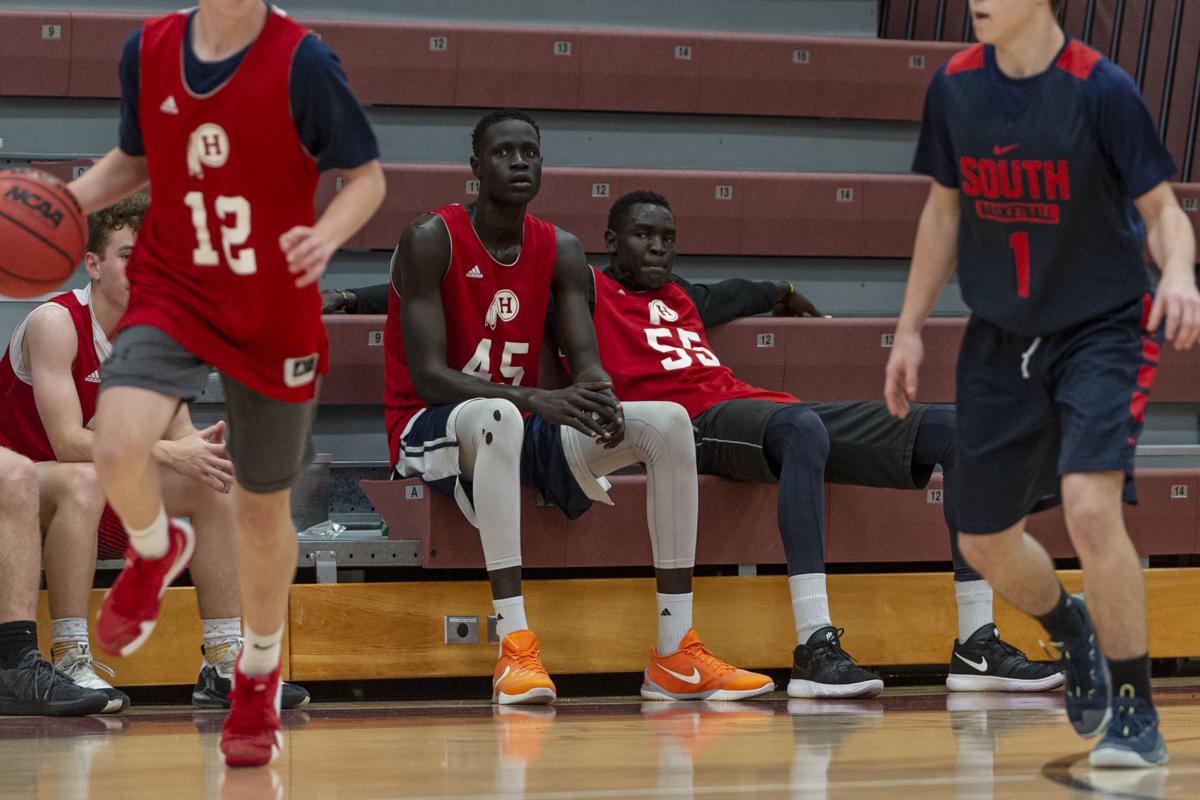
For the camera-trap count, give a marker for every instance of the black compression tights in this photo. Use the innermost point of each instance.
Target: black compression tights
(796, 445)
(935, 445)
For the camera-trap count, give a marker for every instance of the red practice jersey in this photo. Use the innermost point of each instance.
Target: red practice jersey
(652, 344)
(495, 314)
(229, 175)
(21, 428)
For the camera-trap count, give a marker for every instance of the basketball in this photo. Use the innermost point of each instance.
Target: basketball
(42, 233)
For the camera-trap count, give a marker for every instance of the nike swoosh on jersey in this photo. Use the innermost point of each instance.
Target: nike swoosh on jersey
(503, 675)
(981, 666)
(694, 678)
(999, 151)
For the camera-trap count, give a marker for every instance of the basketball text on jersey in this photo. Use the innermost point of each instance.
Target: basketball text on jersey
(505, 305)
(1016, 179)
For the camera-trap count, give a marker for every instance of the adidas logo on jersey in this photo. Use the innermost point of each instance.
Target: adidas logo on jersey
(168, 106)
(475, 272)
(94, 377)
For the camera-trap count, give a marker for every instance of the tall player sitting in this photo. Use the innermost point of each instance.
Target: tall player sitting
(230, 111)
(29, 685)
(650, 326)
(50, 378)
(463, 339)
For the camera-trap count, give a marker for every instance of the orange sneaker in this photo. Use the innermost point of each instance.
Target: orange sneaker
(520, 676)
(693, 673)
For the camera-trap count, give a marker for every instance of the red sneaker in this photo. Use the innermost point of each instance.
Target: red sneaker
(250, 736)
(131, 606)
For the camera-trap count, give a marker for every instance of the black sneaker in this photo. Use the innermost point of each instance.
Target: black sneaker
(35, 688)
(821, 668)
(987, 663)
(215, 682)
(1088, 684)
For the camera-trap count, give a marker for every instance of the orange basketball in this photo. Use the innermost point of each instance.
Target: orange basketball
(42, 233)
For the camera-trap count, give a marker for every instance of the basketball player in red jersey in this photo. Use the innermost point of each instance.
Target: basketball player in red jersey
(463, 341)
(49, 379)
(230, 111)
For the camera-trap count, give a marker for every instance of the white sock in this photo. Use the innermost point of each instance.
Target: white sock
(260, 656)
(974, 606)
(810, 604)
(221, 631)
(69, 629)
(510, 615)
(151, 542)
(674, 620)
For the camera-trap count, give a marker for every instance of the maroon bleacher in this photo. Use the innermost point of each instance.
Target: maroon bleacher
(36, 57)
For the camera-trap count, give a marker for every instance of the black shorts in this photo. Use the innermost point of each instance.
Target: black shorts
(269, 441)
(867, 445)
(1032, 409)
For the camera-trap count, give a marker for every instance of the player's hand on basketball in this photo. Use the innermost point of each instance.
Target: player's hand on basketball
(307, 253)
(589, 407)
(900, 378)
(1178, 303)
(202, 456)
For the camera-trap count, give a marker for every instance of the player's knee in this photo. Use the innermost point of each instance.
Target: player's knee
(940, 424)
(81, 488)
(658, 429)
(977, 549)
(261, 512)
(499, 425)
(797, 432)
(18, 484)
(114, 456)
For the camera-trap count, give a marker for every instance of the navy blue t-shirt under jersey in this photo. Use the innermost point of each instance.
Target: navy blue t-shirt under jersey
(329, 119)
(1047, 168)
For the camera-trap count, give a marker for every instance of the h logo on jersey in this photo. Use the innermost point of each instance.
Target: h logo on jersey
(208, 146)
(660, 312)
(299, 371)
(505, 306)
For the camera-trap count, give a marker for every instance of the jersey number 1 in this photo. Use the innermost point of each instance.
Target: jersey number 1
(1019, 242)
(233, 235)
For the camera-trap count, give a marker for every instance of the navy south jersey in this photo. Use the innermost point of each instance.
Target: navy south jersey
(1047, 168)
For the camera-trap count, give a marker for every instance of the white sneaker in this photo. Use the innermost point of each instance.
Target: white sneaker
(74, 659)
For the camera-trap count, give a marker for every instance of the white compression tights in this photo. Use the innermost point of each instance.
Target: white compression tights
(659, 435)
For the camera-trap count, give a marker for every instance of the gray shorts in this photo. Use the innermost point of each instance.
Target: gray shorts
(269, 440)
(867, 445)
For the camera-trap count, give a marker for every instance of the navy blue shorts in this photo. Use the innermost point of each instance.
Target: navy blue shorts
(1031, 410)
(429, 450)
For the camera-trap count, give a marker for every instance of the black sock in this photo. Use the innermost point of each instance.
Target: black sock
(1133, 672)
(1062, 622)
(16, 639)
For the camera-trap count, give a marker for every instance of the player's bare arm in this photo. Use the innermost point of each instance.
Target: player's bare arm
(932, 263)
(308, 250)
(577, 337)
(49, 348)
(197, 454)
(418, 266)
(1172, 244)
(115, 176)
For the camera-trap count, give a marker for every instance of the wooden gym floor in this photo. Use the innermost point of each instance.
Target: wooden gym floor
(911, 743)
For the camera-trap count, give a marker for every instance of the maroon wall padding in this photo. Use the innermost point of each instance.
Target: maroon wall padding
(891, 209)
(1130, 40)
(618, 66)
(778, 77)
(1183, 88)
(879, 525)
(355, 360)
(96, 45)
(1157, 54)
(63, 170)
(896, 24)
(737, 524)
(520, 65)
(925, 29)
(1076, 17)
(815, 359)
(878, 82)
(1159, 524)
(781, 208)
(393, 63)
(31, 64)
(577, 199)
(414, 189)
(956, 27)
(844, 359)
(1102, 26)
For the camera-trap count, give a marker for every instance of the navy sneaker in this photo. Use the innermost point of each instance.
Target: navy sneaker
(1089, 685)
(1133, 739)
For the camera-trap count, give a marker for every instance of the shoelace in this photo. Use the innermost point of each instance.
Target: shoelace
(835, 645)
(43, 670)
(1127, 710)
(701, 653)
(1065, 655)
(90, 663)
(529, 660)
